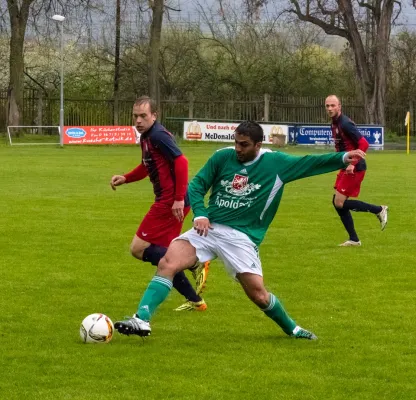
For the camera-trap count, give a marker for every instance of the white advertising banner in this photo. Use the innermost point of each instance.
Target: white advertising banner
(224, 131)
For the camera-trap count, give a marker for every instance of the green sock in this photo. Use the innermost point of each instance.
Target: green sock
(278, 314)
(155, 294)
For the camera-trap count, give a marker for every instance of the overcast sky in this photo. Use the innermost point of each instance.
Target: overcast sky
(190, 9)
(191, 13)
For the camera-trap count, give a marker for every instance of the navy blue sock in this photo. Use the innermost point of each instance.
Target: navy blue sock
(357, 205)
(348, 222)
(153, 254)
(183, 286)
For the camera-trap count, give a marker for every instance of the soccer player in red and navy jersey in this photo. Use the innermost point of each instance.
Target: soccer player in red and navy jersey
(348, 183)
(167, 169)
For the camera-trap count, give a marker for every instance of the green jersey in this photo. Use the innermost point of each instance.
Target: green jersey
(246, 196)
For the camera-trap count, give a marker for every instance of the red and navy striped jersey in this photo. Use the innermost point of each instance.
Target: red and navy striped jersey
(159, 151)
(347, 137)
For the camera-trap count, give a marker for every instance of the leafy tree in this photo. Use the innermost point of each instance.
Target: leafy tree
(355, 21)
(19, 13)
(403, 71)
(157, 7)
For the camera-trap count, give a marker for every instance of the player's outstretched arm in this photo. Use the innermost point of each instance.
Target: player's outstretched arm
(290, 168)
(117, 180)
(353, 156)
(137, 174)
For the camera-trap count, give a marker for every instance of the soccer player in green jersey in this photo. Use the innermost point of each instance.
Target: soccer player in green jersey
(246, 185)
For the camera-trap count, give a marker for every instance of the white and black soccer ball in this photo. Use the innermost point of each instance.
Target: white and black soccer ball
(96, 328)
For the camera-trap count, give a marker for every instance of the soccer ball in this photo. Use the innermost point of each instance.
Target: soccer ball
(96, 328)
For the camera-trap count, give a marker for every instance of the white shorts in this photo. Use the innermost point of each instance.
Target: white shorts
(238, 253)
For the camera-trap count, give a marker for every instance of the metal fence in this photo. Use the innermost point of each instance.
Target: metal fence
(41, 110)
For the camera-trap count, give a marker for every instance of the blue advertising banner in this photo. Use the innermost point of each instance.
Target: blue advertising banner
(321, 134)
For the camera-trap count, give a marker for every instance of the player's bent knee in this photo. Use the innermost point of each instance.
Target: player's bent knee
(338, 203)
(137, 247)
(167, 268)
(137, 253)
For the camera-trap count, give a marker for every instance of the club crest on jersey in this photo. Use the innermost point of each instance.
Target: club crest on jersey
(239, 182)
(239, 186)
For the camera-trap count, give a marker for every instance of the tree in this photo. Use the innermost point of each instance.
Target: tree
(158, 8)
(19, 13)
(404, 66)
(117, 64)
(349, 19)
(182, 69)
(154, 49)
(18, 22)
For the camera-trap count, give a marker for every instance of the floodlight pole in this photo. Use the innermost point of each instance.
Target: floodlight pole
(61, 111)
(61, 19)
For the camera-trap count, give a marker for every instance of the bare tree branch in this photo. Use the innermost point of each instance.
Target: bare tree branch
(329, 28)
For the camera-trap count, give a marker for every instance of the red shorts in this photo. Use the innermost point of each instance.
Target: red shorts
(159, 226)
(349, 184)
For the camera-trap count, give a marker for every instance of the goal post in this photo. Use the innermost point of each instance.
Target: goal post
(25, 135)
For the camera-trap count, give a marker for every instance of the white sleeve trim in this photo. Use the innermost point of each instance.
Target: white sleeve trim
(200, 218)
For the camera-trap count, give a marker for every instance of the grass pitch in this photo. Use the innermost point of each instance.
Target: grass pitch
(65, 239)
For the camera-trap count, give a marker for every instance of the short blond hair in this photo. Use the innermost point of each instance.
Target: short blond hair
(333, 95)
(147, 100)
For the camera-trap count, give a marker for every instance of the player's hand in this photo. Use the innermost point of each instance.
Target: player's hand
(354, 155)
(177, 210)
(350, 169)
(202, 226)
(117, 180)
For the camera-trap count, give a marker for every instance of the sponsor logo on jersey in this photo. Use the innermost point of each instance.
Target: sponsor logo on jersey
(243, 171)
(231, 203)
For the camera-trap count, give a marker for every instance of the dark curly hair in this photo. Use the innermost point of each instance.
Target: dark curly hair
(251, 129)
